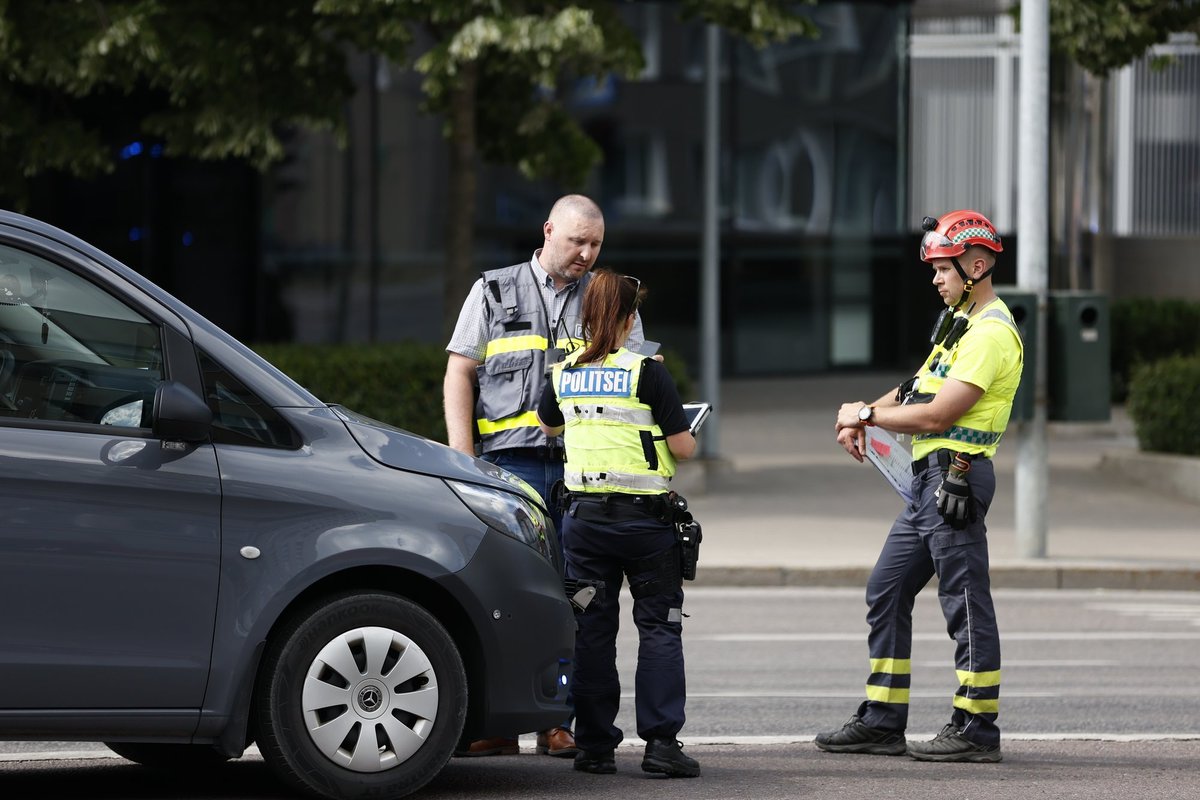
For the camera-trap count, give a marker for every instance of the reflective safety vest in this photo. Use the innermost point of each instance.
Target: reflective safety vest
(513, 371)
(979, 430)
(613, 442)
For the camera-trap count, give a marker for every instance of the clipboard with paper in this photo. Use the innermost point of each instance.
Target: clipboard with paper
(892, 459)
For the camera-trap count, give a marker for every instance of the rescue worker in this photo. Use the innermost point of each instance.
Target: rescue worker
(624, 429)
(956, 408)
(515, 322)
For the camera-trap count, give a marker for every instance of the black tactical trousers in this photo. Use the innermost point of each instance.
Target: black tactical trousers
(608, 551)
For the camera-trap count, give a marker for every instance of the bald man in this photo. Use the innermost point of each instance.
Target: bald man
(516, 322)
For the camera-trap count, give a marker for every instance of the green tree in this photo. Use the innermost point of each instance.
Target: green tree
(1103, 35)
(215, 79)
(210, 79)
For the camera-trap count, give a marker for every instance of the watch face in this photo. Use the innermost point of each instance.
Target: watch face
(865, 412)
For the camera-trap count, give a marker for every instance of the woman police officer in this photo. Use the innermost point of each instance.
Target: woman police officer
(623, 428)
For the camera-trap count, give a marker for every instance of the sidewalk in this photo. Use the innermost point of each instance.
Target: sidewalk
(784, 505)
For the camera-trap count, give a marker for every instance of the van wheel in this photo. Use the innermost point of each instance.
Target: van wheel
(171, 756)
(361, 695)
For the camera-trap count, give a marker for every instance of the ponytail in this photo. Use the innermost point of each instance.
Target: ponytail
(607, 302)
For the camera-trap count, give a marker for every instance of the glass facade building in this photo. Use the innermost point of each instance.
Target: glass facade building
(812, 196)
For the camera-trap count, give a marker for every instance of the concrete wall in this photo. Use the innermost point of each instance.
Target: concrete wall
(1147, 267)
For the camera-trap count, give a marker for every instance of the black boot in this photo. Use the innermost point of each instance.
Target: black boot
(666, 756)
(951, 745)
(855, 737)
(597, 762)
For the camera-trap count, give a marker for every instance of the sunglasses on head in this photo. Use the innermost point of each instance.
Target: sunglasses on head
(637, 291)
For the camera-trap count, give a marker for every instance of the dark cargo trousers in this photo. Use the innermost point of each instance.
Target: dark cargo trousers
(920, 545)
(607, 552)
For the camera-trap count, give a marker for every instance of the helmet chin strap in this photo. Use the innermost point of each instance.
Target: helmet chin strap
(968, 282)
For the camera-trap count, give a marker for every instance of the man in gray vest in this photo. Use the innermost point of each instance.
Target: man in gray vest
(515, 323)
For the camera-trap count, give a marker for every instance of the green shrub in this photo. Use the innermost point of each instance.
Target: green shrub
(1163, 398)
(1145, 330)
(400, 384)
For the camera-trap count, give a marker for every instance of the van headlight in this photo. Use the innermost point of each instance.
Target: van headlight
(507, 513)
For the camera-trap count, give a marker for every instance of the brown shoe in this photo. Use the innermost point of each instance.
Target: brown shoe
(557, 742)
(496, 746)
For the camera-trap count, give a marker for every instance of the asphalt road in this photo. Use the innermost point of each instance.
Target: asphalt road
(1060, 770)
(1099, 701)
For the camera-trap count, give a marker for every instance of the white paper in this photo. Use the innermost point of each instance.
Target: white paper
(892, 459)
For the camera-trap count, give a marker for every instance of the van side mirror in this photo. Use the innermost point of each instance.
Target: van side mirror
(179, 414)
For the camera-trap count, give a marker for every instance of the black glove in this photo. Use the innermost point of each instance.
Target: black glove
(954, 500)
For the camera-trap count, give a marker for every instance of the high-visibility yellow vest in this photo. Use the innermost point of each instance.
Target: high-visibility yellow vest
(978, 430)
(612, 440)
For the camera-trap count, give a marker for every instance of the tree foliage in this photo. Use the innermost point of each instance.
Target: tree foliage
(521, 54)
(210, 79)
(215, 79)
(1103, 35)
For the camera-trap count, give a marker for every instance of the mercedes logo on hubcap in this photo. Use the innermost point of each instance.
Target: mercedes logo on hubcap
(369, 699)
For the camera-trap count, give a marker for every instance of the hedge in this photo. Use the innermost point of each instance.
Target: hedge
(1163, 398)
(398, 383)
(1145, 330)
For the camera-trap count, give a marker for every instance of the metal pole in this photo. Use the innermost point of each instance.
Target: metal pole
(1032, 474)
(710, 330)
(373, 198)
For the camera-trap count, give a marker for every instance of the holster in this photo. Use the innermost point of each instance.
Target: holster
(688, 534)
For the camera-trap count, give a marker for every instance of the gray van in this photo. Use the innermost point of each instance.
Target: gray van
(196, 553)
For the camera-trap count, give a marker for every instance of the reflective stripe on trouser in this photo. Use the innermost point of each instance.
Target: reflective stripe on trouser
(919, 546)
(601, 552)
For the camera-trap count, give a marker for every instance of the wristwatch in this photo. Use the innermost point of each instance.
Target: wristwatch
(866, 415)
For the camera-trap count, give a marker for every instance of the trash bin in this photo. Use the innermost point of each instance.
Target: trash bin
(1079, 372)
(1023, 305)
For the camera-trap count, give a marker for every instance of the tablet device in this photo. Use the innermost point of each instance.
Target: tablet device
(696, 414)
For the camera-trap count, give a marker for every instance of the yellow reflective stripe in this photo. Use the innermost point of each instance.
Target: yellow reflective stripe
(886, 694)
(529, 419)
(978, 679)
(977, 706)
(892, 666)
(509, 344)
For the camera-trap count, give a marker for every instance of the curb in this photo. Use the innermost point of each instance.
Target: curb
(1051, 575)
(1174, 474)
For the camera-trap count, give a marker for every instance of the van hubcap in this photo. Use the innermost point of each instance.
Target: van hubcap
(370, 699)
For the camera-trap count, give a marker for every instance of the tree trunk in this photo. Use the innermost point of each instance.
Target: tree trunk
(460, 213)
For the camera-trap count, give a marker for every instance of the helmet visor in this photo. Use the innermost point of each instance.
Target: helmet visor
(936, 245)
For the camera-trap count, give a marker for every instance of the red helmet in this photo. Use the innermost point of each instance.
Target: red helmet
(951, 235)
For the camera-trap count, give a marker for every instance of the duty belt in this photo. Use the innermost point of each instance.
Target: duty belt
(939, 458)
(616, 507)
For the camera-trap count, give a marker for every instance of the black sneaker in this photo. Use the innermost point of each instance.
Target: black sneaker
(599, 762)
(666, 756)
(855, 737)
(951, 745)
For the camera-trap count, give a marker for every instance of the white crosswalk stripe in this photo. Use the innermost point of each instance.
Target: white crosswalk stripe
(1188, 613)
